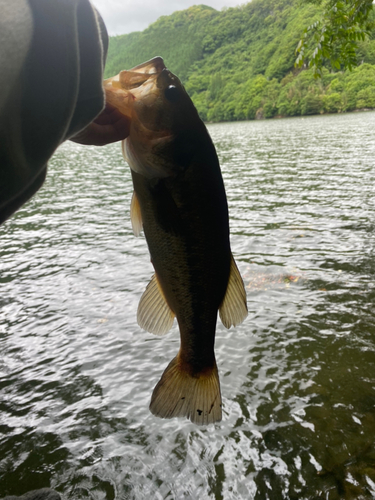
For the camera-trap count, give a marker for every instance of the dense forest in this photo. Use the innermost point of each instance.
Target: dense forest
(238, 63)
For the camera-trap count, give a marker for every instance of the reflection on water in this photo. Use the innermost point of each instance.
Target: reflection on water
(298, 376)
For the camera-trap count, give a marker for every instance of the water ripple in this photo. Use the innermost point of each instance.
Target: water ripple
(298, 376)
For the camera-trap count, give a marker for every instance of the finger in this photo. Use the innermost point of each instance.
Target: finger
(108, 116)
(99, 135)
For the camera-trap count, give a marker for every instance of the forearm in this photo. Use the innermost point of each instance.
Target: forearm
(52, 61)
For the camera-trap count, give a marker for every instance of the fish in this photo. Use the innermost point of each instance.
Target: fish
(179, 200)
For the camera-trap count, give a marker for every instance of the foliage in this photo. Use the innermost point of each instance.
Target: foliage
(335, 34)
(177, 38)
(238, 64)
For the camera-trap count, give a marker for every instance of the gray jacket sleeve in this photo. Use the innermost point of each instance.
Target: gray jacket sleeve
(51, 69)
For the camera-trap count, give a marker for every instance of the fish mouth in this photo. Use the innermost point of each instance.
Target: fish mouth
(152, 67)
(137, 83)
(137, 76)
(140, 74)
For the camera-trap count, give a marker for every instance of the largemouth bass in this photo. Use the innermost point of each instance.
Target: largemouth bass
(179, 200)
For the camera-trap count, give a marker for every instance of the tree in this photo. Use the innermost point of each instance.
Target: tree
(335, 35)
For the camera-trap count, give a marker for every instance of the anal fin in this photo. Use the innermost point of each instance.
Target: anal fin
(154, 314)
(180, 394)
(233, 309)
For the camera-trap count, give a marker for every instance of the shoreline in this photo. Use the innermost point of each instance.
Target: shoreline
(280, 117)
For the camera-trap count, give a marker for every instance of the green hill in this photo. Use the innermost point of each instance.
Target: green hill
(178, 38)
(238, 63)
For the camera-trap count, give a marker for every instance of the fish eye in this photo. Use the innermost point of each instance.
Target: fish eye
(172, 93)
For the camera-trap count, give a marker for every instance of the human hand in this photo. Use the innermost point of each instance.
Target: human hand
(109, 126)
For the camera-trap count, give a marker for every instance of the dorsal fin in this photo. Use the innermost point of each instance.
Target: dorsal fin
(135, 215)
(154, 314)
(233, 309)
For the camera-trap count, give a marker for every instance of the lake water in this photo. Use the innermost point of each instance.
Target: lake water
(297, 377)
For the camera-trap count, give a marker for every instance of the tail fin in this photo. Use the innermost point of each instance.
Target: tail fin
(179, 394)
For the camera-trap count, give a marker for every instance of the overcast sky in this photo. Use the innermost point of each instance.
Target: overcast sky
(125, 16)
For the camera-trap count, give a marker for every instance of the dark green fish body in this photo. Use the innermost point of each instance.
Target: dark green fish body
(186, 226)
(179, 200)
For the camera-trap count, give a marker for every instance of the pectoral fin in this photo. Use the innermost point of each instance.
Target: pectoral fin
(140, 162)
(135, 215)
(233, 309)
(154, 314)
